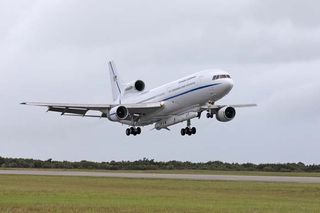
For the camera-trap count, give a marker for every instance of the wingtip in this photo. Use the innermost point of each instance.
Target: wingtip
(23, 103)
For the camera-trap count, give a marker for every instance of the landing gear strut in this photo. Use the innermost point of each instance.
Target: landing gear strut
(133, 131)
(188, 130)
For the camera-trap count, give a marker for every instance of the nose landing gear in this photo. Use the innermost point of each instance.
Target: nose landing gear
(133, 131)
(188, 130)
(209, 115)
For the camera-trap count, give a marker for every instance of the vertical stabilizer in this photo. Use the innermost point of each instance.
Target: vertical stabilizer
(116, 83)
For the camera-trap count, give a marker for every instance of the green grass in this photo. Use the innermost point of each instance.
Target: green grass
(91, 194)
(186, 171)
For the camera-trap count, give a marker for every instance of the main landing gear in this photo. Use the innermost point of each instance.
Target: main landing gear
(188, 130)
(133, 131)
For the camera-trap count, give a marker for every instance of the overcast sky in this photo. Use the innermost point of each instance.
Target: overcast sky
(56, 51)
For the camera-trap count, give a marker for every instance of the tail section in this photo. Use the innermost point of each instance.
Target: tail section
(116, 83)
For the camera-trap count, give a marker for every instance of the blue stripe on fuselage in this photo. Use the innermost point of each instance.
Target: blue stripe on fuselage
(192, 90)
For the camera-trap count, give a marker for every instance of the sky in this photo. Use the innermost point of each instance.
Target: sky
(56, 51)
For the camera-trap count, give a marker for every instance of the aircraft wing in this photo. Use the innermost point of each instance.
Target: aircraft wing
(217, 107)
(82, 109)
(242, 105)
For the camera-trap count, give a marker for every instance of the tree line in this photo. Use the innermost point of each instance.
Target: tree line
(150, 164)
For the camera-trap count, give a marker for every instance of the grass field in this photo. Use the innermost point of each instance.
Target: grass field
(90, 194)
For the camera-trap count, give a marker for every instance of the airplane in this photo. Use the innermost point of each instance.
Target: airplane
(172, 103)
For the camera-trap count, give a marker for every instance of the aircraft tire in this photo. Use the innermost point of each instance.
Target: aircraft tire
(128, 131)
(188, 131)
(183, 132)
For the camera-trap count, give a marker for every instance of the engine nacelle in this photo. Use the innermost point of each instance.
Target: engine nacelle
(136, 86)
(118, 113)
(139, 85)
(226, 114)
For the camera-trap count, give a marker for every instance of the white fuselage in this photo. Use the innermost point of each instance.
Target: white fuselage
(187, 94)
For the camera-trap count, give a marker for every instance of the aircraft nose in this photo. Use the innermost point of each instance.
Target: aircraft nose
(229, 84)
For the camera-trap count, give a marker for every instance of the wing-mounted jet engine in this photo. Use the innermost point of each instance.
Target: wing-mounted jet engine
(226, 114)
(118, 113)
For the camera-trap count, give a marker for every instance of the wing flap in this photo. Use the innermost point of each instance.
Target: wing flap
(68, 110)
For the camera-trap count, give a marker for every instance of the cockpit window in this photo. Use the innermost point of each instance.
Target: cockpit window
(215, 77)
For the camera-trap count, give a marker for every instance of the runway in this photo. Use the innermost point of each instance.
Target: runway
(283, 179)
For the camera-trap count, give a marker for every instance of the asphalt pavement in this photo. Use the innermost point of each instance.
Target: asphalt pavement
(164, 176)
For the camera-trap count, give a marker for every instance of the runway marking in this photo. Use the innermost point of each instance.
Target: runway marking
(283, 179)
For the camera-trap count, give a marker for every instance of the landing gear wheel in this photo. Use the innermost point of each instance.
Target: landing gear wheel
(183, 132)
(209, 115)
(133, 131)
(128, 132)
(188, 131)
(193, 130)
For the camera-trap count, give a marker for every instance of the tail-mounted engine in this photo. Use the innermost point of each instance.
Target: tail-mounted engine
(118, 113)
(135, 87)
(226, 114)
(139, 85)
